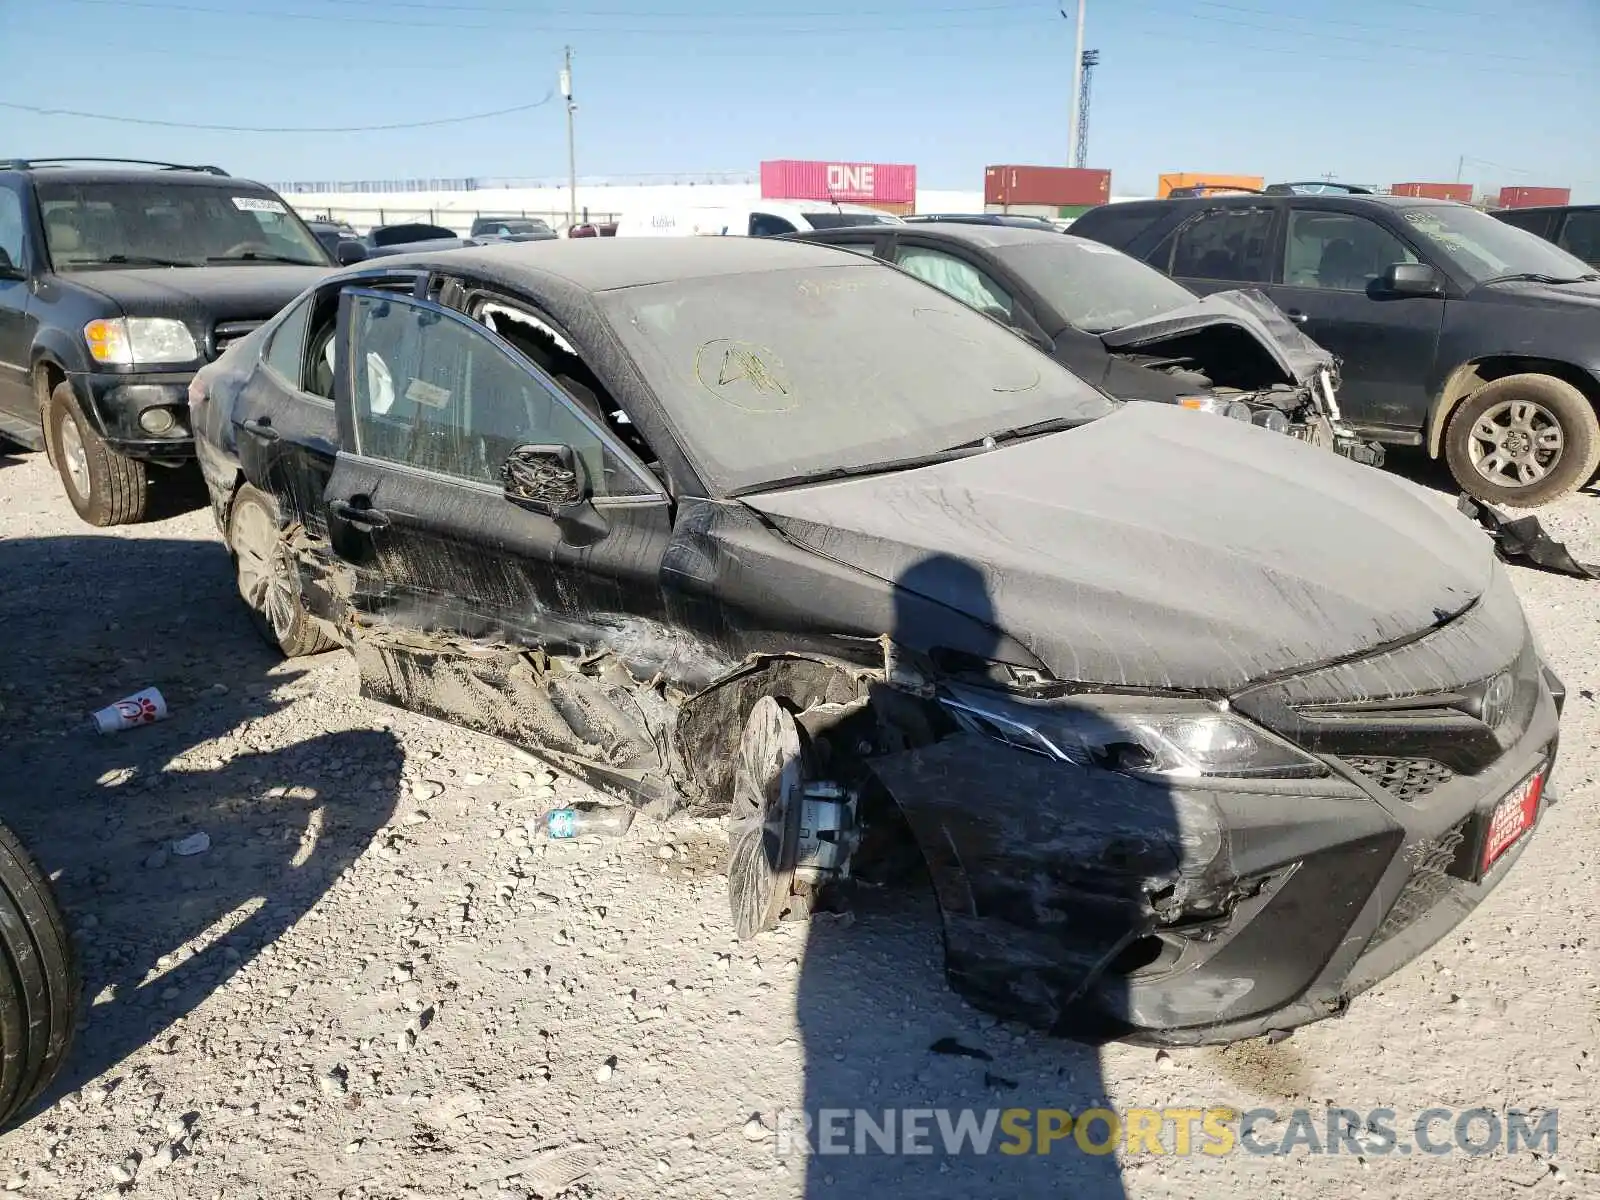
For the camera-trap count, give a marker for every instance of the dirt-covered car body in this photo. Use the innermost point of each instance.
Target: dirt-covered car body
(1199, 730)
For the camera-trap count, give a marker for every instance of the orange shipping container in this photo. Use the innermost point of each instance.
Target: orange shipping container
(1054, 186)
(1188, 179)
(1459, 192)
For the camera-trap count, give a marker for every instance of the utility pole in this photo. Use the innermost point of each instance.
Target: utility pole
(1091, 60)
(1077, 84)
(572, 146)
(1461, 165)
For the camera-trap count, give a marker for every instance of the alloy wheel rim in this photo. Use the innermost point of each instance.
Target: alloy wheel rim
(75, 456)
(265, 581)
(1516, 443)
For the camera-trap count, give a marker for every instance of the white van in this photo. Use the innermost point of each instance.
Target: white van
(763, 218)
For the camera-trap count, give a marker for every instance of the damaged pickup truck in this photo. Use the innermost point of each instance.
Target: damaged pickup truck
(1198, 731)
(1125, 327)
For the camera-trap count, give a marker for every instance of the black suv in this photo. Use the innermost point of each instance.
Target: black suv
(1456, 331)
(1573, 227)
(117, 283)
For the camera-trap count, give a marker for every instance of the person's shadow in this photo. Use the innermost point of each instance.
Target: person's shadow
(95, 618)
(1037, 870)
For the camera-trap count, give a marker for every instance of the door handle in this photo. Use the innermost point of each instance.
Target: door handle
(261, 427)
(1298, 317)
(360, 515)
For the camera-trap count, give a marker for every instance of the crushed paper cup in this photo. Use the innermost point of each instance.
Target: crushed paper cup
(141, 708)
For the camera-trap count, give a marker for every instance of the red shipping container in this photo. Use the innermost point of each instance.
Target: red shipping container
(1533, 197)
(1460, 192)
(1054, 186)
(861, 183)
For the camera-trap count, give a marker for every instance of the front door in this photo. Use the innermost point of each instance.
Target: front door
(16, 334)
(465, 603)
(1333, 262)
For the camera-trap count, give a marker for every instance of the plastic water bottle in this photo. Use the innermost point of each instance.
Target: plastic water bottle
(589, 820)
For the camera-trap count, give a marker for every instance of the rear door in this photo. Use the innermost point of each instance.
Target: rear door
(1579, 235)
(17, 406)
(1332, 266)
(430, 405)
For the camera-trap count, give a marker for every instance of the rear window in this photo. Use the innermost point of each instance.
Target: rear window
(1115, 224)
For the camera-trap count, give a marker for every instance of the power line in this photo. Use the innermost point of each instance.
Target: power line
(677, 30)
(511, 10)
(91, 116)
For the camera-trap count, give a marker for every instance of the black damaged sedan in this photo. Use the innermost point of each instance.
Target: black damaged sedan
(1198, 731)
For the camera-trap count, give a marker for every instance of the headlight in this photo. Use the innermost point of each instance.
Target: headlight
(140, 341)
(1149, 737)
(1216, 404)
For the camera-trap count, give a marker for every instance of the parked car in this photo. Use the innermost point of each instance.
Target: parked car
(590, 229)
(116, 283)
(331, 233)
(511, 229)
(764, 218)
(1124, 326)
(756, 527)
(407, 238)
(1454, 331)
(1573, 227)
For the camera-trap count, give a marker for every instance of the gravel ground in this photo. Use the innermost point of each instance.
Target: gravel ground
(374, 983)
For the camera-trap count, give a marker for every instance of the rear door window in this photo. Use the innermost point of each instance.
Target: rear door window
(1580, 236)
(1231, 244)
(286, 347)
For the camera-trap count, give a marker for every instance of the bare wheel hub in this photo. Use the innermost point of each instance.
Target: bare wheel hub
(1515, 443)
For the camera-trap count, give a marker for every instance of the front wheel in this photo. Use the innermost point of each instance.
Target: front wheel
(39, 991)
(1523, 441)
(106, 488)
(268, 577)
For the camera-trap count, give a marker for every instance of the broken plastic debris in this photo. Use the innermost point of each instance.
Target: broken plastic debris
(141, 708)
(195, 843)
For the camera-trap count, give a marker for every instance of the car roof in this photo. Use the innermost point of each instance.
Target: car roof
(131, 175)
(1330, 199)
(606, 264)
(1549, 208)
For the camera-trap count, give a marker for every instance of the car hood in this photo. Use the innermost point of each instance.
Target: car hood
(1529, 293)
(1296, 355)
(249, 292)
(1158, 547)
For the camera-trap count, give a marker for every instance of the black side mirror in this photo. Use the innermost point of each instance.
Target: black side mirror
(1412, 279)
(350, 252)
(553, 481)
(9, 269)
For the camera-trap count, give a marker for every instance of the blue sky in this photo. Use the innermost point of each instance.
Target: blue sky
(1374, 91)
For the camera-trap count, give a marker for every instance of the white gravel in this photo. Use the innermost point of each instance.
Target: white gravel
(378, 980)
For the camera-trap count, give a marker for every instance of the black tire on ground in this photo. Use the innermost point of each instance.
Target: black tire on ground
(1524, 427)
(269, 582)
(39, 988)
(106, 488)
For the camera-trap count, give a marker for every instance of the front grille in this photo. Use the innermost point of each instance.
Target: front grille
(1407, 779)
(1430, 883)
(228, 332)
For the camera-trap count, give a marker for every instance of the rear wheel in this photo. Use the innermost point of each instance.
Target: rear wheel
(268, 577)
(106, 488)
(1523, 441)
(39, 995)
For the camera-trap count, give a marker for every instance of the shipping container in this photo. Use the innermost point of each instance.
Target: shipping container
(1054, 186)
(1461, 193)
(897, 208)
(860, 183)
(1189, 179)
(1533, 197)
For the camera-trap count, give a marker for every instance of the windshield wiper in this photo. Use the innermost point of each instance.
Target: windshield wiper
(252, 256)
(1038, 428)
(1536, 277)
(135, 260)
(878, 468)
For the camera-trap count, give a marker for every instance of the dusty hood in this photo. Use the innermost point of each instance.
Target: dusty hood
(1296, 355)
(1158, 547)
(244, 293)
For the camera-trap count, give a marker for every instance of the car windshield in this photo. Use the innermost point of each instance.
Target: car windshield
(1093, 287)
(838, 220)
(780, 375)
(155, 223)
(518, 226)
(1487, 249)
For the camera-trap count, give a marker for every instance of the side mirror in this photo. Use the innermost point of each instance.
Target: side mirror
(1412, 279)
(553, 481)
(9, 269)
(350, 252)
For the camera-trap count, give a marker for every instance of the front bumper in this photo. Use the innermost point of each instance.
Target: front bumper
(1098, 906)
(115, 403)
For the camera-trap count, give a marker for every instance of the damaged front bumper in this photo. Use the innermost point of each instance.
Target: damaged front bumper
(1097, 906)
